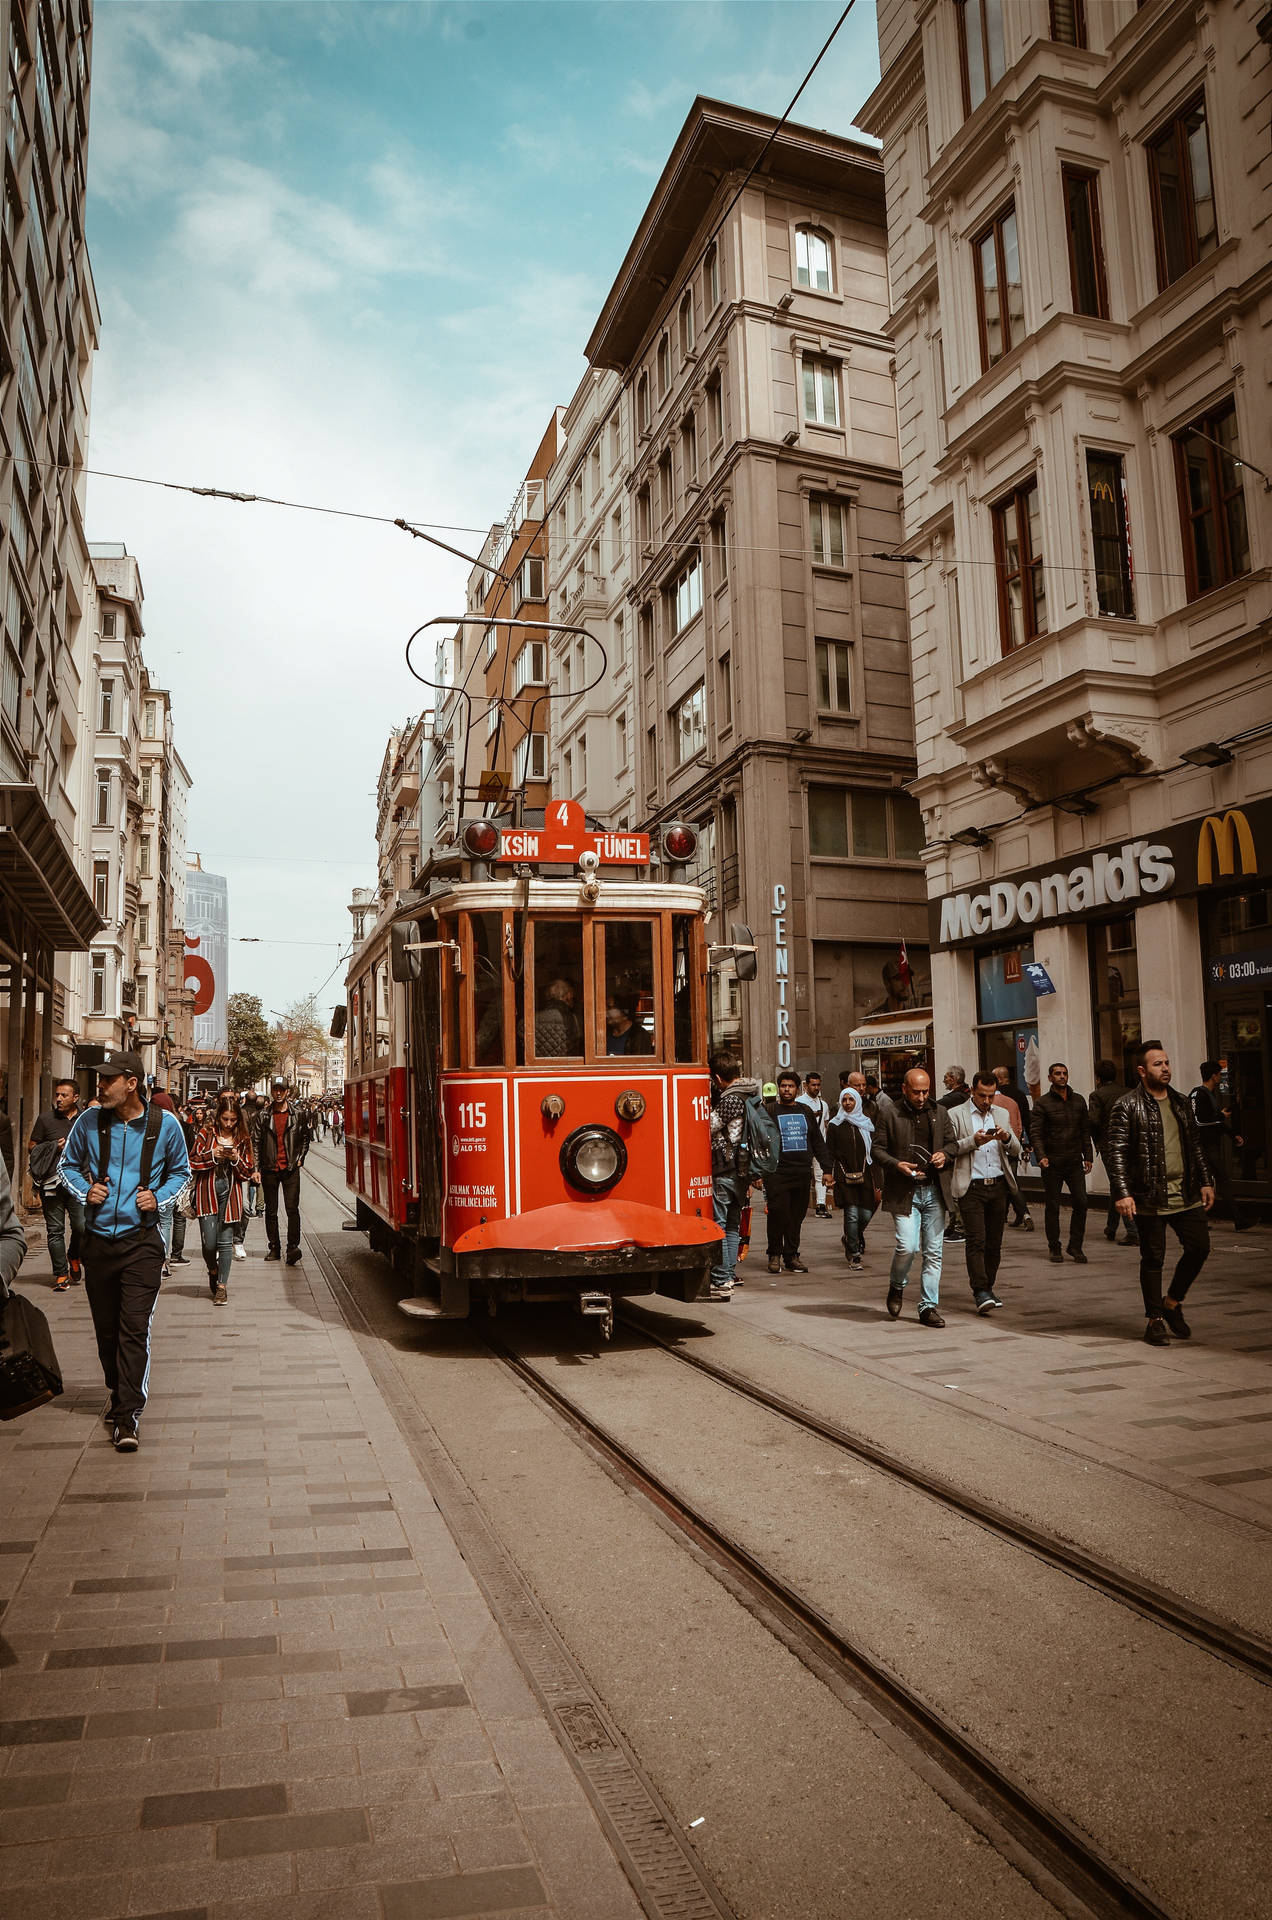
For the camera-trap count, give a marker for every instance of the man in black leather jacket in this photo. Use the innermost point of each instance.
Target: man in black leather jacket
(1159, 1177)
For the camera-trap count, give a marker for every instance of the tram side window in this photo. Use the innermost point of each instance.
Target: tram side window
(684, 984)
(558, 989)
(364, 994)
(381, 977)
(355, 1031)
(630, 1022)
(488, 1004)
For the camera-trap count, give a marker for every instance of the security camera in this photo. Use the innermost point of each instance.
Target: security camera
(589, 864)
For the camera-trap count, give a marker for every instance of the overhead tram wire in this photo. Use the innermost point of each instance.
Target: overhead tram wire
(417, 528)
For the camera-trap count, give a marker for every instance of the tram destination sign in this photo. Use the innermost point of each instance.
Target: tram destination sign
(565, 835)
(1217, 849)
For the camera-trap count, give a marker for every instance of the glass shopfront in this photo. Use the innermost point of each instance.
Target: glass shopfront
(1007, 1014)
(1115, 1006)
(1238, 957)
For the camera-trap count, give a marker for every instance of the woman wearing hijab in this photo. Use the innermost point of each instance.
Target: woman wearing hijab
(849, 1138)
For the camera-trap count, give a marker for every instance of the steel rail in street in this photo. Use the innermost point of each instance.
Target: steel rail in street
(1071, 1861)
(1166, 1609)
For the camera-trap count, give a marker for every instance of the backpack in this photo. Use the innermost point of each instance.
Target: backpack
(761, 1143)
(154, 1120)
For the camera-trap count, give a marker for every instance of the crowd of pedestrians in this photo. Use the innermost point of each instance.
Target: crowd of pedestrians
(948, 1170)
(119, 1180)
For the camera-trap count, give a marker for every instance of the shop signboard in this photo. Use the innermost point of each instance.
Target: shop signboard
(1231, 843)
(1253, 968)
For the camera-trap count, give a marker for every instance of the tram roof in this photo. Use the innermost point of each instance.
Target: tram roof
(469, 896)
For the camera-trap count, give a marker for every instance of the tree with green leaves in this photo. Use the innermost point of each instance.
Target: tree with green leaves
(252, 1049)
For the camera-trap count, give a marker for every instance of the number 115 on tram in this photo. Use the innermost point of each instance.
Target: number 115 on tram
(527, 1098)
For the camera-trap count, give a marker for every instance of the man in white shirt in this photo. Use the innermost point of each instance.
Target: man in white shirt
(812, 1099)
(985, 1153)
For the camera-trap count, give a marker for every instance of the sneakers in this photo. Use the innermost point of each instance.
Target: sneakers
(796, 1266)
(178, 1260)
(167, 1270)
(986, 1302)
(61, 1281)
(1174, 1318)
(77, 1272)
(1027, 1225)
(896, 1298)
(1155, 1333)
(273, 1254)
(240, 1251)
(929, 1317)
(219, 1295)
(821, 1214)
(774, 1265)
(855, 1261)
(1076, 1254)
(124, 1434)
(720, 1293)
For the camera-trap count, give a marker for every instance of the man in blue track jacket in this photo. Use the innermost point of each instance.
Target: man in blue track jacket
(106, 1152)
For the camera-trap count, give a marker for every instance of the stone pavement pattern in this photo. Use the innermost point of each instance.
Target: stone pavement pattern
(245, 1672)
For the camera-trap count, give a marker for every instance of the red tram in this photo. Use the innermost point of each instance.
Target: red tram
(527, 1099)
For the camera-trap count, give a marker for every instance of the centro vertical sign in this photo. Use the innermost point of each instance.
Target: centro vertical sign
(782, 959)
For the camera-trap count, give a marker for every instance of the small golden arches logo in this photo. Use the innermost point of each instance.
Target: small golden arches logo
(1220, 841)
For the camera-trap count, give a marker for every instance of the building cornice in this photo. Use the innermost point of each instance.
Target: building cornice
(896, 91)
(716, 141)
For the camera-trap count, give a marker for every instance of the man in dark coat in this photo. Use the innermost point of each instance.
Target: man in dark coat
(912, 1144)
(284, 1142)
(1160, 1179)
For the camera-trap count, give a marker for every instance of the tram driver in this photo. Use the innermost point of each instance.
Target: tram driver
(623, 1031)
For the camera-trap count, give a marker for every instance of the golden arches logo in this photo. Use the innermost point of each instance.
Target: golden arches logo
(1220, 841)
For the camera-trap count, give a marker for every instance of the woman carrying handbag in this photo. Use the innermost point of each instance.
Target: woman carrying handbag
(221, 1160)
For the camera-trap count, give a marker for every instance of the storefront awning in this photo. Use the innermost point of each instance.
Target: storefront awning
(892, 1035)
(39, 874)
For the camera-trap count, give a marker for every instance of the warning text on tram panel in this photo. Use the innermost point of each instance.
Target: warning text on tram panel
(565, 835)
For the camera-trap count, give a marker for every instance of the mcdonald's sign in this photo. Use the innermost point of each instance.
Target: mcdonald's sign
(1220, 842)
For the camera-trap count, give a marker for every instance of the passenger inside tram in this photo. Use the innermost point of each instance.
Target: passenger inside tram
(624, 1030)
(558, 989)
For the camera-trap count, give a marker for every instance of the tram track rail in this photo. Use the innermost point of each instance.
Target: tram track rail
(1227, 1642)
(1067, 1865)
(1064, 1862)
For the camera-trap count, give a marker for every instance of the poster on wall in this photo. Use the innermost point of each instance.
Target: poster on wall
(207, 956)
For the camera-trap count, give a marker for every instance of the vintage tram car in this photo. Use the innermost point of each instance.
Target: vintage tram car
(527, 1098)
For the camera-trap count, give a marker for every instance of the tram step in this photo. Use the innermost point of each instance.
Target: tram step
(417, 1308)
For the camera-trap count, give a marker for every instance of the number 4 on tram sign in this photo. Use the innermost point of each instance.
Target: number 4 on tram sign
(565, 835)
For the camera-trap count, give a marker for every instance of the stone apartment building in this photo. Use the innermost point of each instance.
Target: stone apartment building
(122, 857)
(164, 1005)
(48, 333)
(767, 642)
(590, 674)
(1080, 211)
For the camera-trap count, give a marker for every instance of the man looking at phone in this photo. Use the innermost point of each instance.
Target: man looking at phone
(985, 1152)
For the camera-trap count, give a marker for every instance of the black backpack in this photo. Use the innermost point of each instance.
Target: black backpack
(154, 1120)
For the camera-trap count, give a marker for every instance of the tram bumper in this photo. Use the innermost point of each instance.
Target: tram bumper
(605, 1245)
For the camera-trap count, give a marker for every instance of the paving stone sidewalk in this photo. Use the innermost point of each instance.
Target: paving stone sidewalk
(245, 1673)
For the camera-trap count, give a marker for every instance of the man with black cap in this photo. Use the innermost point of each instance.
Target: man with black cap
(284, 1142)
(124, 1162)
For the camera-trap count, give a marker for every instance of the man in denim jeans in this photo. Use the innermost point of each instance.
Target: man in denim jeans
(912, 1146)
(730, 1173)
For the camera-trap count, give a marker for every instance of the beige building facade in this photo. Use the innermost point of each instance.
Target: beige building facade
(48, 327)
(1080, 209)
(769, 662)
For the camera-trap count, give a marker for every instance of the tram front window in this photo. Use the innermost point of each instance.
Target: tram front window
(683, 984)
(630, 1022)
(558, 990)
(488, 1000)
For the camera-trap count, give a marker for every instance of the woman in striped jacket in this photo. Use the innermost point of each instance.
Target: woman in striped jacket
(220, 1160)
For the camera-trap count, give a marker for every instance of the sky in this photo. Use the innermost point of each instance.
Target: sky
(348, 254)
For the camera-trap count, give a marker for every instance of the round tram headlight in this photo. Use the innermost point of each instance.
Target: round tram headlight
(593, 1159)
(481, 837)
(680, 842)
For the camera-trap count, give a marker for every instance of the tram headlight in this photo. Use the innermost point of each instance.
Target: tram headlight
(593, 1159)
